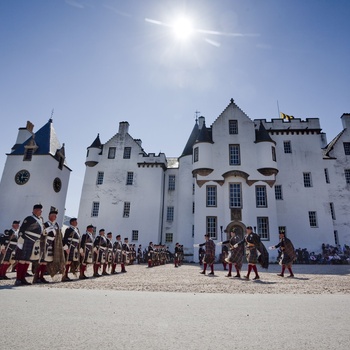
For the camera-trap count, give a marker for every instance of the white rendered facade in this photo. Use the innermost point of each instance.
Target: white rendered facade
(35, 172)
(226, 177)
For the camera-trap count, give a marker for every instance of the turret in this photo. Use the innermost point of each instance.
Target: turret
(93, 152)
(23, 134)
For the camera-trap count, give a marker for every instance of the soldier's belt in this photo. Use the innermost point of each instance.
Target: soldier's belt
(76, 240)
(250, 245)
(12, 243)
(102, 248)
(32, 234)
(50, 238)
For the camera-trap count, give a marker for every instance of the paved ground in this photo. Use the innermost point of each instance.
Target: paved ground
(105, 313)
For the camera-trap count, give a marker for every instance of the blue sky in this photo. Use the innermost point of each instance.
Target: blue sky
(99, 62)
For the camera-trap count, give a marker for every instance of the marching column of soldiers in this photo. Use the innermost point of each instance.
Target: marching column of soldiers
(157, 254)
(51, 251)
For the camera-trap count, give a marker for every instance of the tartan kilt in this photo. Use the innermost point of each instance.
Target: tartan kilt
(73, 254)
(117, 257)
(88, 254)
(7, 257)
(286, 259)
(209, 259)
(236, 256)
(251, 255)
(29, 250)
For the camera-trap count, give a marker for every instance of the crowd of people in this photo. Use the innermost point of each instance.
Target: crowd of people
(49, 251)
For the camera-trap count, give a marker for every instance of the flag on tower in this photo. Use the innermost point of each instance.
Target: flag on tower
(286, 117)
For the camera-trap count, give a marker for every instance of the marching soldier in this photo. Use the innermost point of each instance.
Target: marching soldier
(288, 253)
(117, 253)
(125, 254)
(209, 257)
(109, 254)
(8, 245)
(139, 254)
(176, 255)
(28, 244)
(253, 246)
(235, 256)
(71, 241)
(100, 247)
(86, 252)
(150, 254)
(51, 252)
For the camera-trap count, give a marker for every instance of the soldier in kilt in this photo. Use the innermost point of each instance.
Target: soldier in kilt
(253, 247)
(86, 251)
(51, 250)
(125, 254)
(150, 254)
(100, 249)
(288, 254)
(28, 244)
(71, 246)
(224, 255)
(8, 243)
(209, 256)
(117, 253)
(176, 255)
(109, 254)
(139, 254)
(235, 256)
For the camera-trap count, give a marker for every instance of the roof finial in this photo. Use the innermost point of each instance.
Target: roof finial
(52, 113)
(197, 112)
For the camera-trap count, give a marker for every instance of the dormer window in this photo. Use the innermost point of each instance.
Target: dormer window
(30, 149)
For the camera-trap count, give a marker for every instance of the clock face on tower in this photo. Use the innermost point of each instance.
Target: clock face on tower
(57, 184)
(22, 177)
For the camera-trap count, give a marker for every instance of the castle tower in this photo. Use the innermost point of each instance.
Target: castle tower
(35, 171)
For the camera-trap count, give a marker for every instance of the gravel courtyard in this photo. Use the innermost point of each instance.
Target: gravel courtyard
(309, 279)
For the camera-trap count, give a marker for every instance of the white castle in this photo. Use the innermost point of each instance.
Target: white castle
(271, 175)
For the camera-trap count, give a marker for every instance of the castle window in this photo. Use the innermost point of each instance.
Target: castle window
(346, 148)
(127, 153)
(171, 184)
(287, 146)
(130, 178)
(211, 226)
(170, 214)
(312, 219)
(263, 228)
(326, 175)
(331, 207)
(126, 210)
(233, 127)
(95, 209)
(273, 152)
(307, 180)
(28, 154)
(235, 195)
(234, 154)
(347, 175)
(135, 235)
(111, 152)
(211, 196)
(168, 237)
(100, 176)
(278, 192)
(195, 155)
(260, 196)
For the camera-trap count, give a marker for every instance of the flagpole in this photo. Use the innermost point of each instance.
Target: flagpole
(278, 110)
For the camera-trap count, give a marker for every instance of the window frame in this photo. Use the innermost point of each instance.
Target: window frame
(234, 154)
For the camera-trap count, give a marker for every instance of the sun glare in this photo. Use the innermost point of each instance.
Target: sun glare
(183, 28)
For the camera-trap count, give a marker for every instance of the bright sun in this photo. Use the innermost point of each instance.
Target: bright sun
(183, 28)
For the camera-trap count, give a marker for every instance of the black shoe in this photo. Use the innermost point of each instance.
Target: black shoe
(280, 274)
(211, 273)
(43, 280)
(6, 278)
(65, 279)
(96, 275)
(18, 283)
(202, 272)
(25, 282)
(228, 275)
(123, 271)
(291, 276)
(28, 274)
(105, 274)
(237, 276)
(256, 278)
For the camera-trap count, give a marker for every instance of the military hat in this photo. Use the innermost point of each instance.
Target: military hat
(72, 220)
(109, 234)
(101, 230)
(16, 222)
(53, 210)
(37, 206)
(249, 228)
(89, 226)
